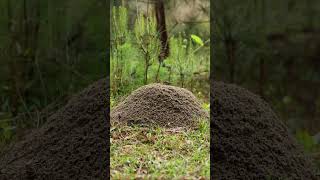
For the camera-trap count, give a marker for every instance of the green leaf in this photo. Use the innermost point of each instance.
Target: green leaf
(197, 39)
(304, 138)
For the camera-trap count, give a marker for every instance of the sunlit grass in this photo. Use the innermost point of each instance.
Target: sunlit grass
(159, 153)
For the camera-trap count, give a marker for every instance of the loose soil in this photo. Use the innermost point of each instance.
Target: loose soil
(73, 144)
(159, 105)
(248, 141)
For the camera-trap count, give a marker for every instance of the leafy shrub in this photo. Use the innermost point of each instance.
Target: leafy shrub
(134, 56)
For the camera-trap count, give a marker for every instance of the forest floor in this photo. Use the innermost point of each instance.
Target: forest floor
(158, 153)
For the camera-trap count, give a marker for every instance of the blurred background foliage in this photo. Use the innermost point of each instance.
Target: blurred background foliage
(48, 51)
(135, 47)
(273, 49)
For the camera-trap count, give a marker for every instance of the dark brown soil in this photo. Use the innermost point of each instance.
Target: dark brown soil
(159, 105)
(73, 144)
(248, 141)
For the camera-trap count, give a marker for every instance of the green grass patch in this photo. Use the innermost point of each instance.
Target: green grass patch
(159, 153)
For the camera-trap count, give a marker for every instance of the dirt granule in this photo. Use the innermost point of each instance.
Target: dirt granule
(248, 141)
(159, 105)
(73, 144)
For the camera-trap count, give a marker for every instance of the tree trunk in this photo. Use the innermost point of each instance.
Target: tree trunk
(262, 77)
(12, 63)
(161, 28)
(230, 46)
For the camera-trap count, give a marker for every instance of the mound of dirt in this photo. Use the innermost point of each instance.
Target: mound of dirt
(161, 105)
(73, 144)
(248, 141)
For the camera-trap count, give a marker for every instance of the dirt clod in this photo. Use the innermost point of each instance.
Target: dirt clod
(162, 105)
(248, 141)
(73, 144)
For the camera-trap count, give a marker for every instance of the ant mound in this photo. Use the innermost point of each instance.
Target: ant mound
(248, 141)
(159, 105)
(73, 144)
